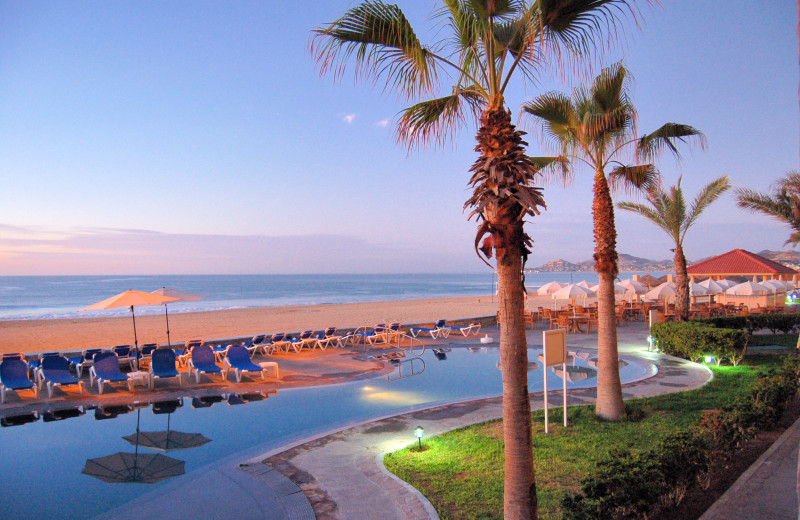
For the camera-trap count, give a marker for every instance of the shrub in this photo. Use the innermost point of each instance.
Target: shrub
(692, 340)
(785, 322)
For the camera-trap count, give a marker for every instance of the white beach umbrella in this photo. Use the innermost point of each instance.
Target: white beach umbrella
(712, 286)
(634, 286)
(776, 285)
(748, 289)
(619, 290)
(725, 283)
(549, 288)
(571, 291)
(584, 284)
(695, 289)
(664, 291)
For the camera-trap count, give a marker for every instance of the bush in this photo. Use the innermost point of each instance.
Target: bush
(694, 341)
(786, 322)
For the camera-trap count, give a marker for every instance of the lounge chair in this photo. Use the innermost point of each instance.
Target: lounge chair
(260, 343)
(202, 361)
(184, 354)
(167, 407)
(34, 364)
(83, 361)
(220, 350)
(328, 338)
(369, 335)
(55, 372)
(465, 330)
(305, 339)
(14, 376)
(238, 360)
(145, 355)
(105, 369)
(162, 366)
(207, 401)
(126, 356)
(276, 343)
(437, 330)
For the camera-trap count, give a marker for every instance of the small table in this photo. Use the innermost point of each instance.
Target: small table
(575, 321)
(140, 378)
(266, 365)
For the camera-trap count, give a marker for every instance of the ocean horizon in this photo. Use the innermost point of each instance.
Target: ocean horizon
(61, 297)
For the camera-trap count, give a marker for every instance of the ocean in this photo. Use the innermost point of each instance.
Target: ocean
(60, 297)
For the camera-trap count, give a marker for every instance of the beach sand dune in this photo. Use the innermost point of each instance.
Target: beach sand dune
(78, 334)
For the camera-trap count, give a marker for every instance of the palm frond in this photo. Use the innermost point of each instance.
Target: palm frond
(632, 178)
(556, 115)
(437, 120)
(667, 137)
(382, 42)
(710, 192)
(577, 25)
(647, 212)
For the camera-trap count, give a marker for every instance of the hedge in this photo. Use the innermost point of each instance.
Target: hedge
(631, 485)
(785, 322)
(694, 340)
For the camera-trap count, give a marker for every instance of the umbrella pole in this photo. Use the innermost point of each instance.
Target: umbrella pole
(135, 339)
(166, 313)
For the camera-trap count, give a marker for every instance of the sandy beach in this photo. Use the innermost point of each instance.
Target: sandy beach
(77, 334)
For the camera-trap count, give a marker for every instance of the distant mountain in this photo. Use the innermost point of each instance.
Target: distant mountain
(626, 263)
(789, 258)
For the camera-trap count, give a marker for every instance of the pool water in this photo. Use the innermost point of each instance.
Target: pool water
(42, 461)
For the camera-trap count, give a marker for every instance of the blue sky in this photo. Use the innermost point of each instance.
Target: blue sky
(145, 137)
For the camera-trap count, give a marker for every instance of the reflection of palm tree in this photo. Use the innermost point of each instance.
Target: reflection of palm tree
(783, 204)
(489, 41)
(667, 210)
(594, 127)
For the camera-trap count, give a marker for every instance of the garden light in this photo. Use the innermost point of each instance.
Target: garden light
(709, 359)
(418, 433)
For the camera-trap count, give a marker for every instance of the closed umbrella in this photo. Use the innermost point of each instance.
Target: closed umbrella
(180, 296)
(548, 288)
(130, 299)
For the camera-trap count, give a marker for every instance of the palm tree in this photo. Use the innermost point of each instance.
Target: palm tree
(489, 41)
(595, 127)
(667, 210)
(783, 204)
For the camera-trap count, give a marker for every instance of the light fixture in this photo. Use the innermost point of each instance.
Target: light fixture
(418, 433)
(709, 359)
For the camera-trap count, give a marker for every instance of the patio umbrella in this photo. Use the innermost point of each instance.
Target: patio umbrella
(130, 299)
(180, 296)
(633, 286)
(619, 290)
(748, 289)
(571, 291)
(584, 284)
(725, 283)
(776, 285)
(168, 440)
(548, 288)
(712, 286)
(664, 291)
(695, 289)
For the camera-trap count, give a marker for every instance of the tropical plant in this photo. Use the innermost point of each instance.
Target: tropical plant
(489, 41)
(783, 204)
(668, 211)
(595, 127)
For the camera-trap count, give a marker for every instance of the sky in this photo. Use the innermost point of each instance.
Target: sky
(197, 137)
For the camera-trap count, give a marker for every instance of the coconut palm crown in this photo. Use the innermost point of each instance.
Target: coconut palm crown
(668, 211)
(782, 204)
(595, 127)
(488, 42)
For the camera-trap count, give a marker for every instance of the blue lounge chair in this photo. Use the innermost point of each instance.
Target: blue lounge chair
(145, 356)
(220, 350)
(465, 330)
(126, 355)
(162, 366)
(202, 361)
(370, 335)
(435, 331)
(258, 344)
(239, 360)
(14, 376)
(55, 372)
(184, 354)
(276, 343)
(303, 340)
(105, 369)
(83, 361)
(326, 338)
(34, 364)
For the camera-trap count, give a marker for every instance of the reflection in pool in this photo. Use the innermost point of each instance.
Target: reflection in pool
(49, 455)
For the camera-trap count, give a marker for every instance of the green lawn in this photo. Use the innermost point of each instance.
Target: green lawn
(786, 340)
(461, 472)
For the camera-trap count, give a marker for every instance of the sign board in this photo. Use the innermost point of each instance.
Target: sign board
(656, 317)
(555, 347)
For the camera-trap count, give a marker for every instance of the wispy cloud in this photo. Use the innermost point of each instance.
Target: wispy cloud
(349, 118)
(382, 123)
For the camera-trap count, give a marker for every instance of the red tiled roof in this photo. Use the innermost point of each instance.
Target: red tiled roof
(739, 262)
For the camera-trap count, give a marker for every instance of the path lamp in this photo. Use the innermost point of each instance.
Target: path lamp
(418, 433)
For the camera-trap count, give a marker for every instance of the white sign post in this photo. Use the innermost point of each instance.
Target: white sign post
(555, 353)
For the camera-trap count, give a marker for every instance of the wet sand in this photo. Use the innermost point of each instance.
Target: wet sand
(78, 334)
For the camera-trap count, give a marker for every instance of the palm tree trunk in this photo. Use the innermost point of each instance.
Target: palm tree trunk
(609, 387)
(682, 285)
(519, 497)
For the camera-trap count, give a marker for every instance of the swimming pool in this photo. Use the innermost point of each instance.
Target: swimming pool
(42, 461)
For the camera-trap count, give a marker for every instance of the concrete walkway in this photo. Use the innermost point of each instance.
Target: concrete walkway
(342, 476)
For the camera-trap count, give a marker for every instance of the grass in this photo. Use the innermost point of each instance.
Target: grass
(461, 472)
(786, 340)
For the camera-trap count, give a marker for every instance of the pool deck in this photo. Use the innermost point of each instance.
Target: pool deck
(340, 474)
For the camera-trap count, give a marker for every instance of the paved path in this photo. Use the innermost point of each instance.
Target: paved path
(341, 474)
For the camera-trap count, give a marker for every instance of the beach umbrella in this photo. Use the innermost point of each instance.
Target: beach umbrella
(180, 296)
(584, 284)
(548, 288)
(776, 285)
(725, 283)
(712, 286)
(168, 440)
(748, 289)
(633, 286)
(619, 290)
(571, 291)
(130, 299)
(664, 291)
(695, 289)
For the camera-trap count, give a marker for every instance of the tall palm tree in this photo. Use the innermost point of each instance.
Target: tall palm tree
(488, 42)
(783, 204)
(595, 127)
(667, 210)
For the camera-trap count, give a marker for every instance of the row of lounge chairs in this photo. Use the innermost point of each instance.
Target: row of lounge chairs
(442, 330)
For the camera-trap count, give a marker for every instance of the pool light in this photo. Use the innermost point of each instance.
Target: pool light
(419, 431)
